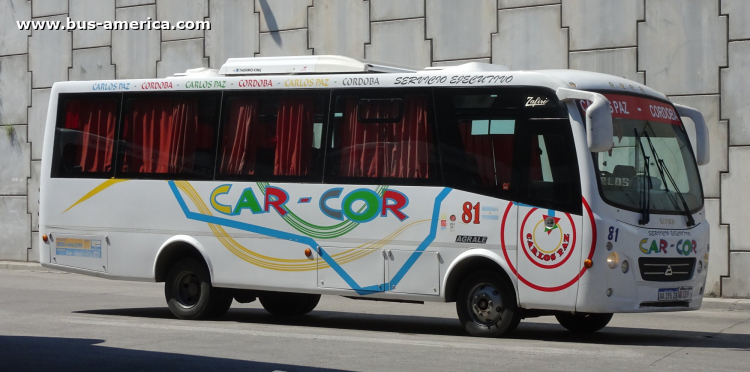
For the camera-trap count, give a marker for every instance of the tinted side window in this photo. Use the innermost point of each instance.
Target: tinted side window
(85, 137)
(169, 136)
(272, 137)
(480, 132)
(489, 147)
(382, 140)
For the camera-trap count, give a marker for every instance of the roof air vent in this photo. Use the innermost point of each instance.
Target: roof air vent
(303, 65)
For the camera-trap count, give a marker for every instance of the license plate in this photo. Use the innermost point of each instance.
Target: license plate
(676, 294)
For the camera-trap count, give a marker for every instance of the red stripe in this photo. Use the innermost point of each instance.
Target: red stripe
(638, 108)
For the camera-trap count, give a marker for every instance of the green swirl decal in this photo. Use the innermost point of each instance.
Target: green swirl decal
(317, 231)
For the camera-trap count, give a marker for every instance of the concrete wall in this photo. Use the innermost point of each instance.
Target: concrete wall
(696, 51)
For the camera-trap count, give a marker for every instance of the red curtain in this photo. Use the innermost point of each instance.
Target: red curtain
(395, 150)
(163, 134)
(493, 154)
(359, 157)
(245, 137)
(294, 136)
(503, 146)
(480, 148)
(240, 144)
(95, 119)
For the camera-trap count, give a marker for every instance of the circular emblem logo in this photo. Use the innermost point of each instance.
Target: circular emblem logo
(546, 239)
(564, 284)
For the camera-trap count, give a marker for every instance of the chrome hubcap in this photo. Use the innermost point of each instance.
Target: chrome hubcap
(485, 304)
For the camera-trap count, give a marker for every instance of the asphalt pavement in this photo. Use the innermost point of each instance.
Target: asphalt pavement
(51, 321)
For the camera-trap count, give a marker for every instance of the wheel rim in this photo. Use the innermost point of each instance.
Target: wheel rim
(188, 289)
(485, 304)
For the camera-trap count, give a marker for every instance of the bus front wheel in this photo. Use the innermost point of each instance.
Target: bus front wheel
(190, 295)
(288, 304)
(486, 305)
(583, 323)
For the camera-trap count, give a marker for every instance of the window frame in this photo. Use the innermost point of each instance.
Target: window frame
(333, 155)
(122, 145)
(56, 170)
(524, 117)
(318, 166)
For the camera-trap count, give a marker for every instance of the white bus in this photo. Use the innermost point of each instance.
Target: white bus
(513, 194)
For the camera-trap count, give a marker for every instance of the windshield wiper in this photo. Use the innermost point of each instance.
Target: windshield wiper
(645, 184)
(662, 170)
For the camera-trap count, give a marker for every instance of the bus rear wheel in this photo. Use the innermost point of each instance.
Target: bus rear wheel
(191, 296)
(583, 323)
(486, 305)
(288, 304)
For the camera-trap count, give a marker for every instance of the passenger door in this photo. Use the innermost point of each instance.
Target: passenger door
(381, 165)
(549, 216)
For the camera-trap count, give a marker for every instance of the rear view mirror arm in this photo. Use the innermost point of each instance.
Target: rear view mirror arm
(702, 146)
(599, 130)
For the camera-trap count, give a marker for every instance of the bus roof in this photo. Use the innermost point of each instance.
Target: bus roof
(316, 72)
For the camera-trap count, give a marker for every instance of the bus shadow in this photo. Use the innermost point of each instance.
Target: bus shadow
(631, 336)
(405, 324)
(27, 353)
(317, 319)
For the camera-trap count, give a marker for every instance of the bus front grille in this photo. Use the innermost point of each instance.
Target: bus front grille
(666, 269)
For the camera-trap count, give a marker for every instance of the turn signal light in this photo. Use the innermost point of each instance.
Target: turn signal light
(45, 238)
(588, 263)
(308, 252)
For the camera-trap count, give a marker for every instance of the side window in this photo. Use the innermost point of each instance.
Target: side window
(489, 148)
(550, 167)
(85, 138)
(169, 136)
(272, 137)
(482, 139)
(382, 139)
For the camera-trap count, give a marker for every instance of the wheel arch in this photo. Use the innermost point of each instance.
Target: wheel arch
(470, 261)
(175, 249)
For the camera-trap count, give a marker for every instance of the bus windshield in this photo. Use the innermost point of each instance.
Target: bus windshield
(651, 152)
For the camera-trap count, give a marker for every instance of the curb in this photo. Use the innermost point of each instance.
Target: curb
(730, 304)
(26, 266)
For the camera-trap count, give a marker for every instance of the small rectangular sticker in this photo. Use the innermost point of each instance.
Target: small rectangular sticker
(78, 247)
(471, 239)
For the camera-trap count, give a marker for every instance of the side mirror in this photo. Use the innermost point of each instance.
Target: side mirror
(599, 129)
(701, 146)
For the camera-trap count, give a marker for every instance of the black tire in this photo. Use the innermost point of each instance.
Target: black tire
(480, 296)
(583, 323)
(189, 292)
(288, 304)
(223, 301)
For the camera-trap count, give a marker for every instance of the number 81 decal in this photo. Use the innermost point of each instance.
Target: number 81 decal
(471, 213)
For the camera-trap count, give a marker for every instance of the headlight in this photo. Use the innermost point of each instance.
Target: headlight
(612, 260)
(700, 266)
(625, 266)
